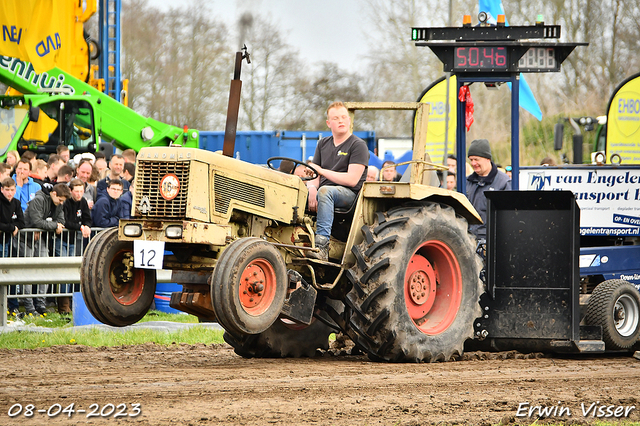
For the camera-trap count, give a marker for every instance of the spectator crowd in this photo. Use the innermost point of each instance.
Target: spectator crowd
(58, 202)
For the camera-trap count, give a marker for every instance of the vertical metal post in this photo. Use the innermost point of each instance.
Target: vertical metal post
(233, 109)
(110, 42)
(461, 141)
(4, 306)
(515, 131)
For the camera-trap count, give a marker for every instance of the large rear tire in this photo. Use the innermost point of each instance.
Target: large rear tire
(114, 291)
(248, 286)
(283, 340)
(615, 306)
(417, 285)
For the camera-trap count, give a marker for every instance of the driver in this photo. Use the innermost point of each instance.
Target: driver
(341, 162)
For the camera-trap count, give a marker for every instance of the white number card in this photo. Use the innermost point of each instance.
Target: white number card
(148, 254)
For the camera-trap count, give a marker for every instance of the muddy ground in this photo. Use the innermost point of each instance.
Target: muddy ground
(210, 384)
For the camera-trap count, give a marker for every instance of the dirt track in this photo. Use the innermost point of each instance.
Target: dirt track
(201, 385)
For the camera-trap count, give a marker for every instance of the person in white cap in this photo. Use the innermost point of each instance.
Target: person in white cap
(485, 177)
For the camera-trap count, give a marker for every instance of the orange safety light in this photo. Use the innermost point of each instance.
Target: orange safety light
(466, 21)
(501, 20)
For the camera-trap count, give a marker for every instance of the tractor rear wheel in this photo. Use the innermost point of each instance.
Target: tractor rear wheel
(416, 285)
(615, 306)
(115, 292)
(282, 340)
(248, 286)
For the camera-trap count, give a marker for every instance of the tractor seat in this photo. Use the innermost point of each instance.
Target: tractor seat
(342, 218)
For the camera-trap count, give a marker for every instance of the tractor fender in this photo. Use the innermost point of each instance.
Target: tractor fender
(376, 194)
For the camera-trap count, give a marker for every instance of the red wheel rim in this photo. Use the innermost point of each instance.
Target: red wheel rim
(257, 287)
(125, 291)
(433, 287)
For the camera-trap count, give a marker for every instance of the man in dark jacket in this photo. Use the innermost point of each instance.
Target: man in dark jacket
(11, 221)
(116, 167)
(77, 220)
(485, 177)
(77, 216)
(44, 212)
(107, 210)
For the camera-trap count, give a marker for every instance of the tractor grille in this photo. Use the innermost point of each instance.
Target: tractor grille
(226, 189)
(148, 176)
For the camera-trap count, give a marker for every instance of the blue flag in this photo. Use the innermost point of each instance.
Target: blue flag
(493, 8)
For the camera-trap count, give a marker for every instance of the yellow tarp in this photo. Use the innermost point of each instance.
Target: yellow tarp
(30, 31)
(436, 97)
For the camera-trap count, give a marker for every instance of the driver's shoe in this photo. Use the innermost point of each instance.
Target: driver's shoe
(322, 244)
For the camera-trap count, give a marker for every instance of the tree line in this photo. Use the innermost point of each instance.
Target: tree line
(180, 61)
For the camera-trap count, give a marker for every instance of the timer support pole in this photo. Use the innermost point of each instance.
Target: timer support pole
(515, 130)
(461, 130)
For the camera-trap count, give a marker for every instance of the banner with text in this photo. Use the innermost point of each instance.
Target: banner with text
(608, 197)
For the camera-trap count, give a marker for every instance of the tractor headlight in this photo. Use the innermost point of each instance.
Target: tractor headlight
(174, 231)
(132, 230)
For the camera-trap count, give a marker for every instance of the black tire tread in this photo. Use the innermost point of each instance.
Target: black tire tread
(96, 288)
(229, 315)
(374, 322)
(600, 308)
(280, 341)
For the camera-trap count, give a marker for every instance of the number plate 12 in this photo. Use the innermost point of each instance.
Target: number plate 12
(148, 254)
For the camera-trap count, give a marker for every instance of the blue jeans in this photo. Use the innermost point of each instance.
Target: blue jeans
(63, 248)
(330, 197)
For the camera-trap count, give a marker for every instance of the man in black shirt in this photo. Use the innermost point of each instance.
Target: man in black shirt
(11, 221)
(341, 161)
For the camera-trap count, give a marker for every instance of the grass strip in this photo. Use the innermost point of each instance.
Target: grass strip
(63, 334)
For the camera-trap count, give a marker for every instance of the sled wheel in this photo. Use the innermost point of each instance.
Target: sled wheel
(248, 286)
(416, 285)
(116, 293)
(615, 306)
(285, 339)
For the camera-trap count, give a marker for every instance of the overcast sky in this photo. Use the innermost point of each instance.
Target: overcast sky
(326, 30)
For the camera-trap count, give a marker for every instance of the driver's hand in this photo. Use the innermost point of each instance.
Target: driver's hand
(313, 199)
(319, 169)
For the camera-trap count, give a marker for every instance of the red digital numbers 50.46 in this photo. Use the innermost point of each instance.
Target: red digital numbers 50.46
(481, 58)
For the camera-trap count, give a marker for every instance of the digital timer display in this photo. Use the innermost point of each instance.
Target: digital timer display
(539, 59)
(480, 58)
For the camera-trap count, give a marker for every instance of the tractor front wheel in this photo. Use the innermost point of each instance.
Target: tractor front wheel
(115, 292)
(248, 286)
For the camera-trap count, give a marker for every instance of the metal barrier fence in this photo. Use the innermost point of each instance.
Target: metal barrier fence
(37, 263)
(40, 264)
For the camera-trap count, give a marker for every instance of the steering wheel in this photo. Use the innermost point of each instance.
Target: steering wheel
(295, 163)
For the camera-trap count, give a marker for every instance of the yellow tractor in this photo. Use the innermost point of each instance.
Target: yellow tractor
(402, 280)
